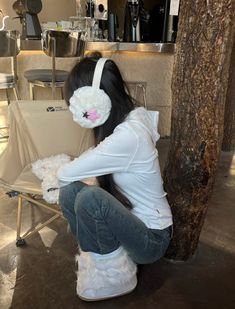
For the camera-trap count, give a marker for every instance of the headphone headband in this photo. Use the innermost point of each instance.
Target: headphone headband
(98, 72)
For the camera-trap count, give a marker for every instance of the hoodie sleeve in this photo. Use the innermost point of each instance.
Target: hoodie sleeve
(113, 155)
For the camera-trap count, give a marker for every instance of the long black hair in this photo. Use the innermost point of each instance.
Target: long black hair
(114, 86)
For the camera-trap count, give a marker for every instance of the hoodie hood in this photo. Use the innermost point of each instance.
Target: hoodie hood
(147, 119)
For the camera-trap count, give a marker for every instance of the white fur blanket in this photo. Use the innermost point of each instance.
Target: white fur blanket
(46, 170)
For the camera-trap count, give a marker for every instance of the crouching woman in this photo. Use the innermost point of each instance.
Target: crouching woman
(125, 220)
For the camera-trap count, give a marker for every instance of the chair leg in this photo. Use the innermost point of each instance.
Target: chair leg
(53, 92)
(19, 216)
(16, 92)
(8, 96)
(31, 92)
(62, 93)
(144, 97)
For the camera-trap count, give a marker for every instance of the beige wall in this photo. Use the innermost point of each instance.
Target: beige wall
(52, 10)
(156, 70)
(152, 68)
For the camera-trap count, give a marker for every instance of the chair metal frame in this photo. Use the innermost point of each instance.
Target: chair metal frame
(136, 86)
(20, 239)
(74, 47)
(4, 132)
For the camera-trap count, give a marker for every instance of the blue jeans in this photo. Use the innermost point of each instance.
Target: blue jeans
(101, 224)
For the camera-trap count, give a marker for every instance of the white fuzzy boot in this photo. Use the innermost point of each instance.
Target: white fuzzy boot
(105, 276)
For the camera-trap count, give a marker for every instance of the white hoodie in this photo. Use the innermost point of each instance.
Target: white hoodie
(131, 156)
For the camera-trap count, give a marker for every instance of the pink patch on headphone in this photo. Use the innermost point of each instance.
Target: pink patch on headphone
(93, 115)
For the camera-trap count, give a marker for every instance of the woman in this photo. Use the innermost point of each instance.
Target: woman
(126, 220)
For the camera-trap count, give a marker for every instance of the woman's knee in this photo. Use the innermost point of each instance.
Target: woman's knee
(67, 194)
(88, 199)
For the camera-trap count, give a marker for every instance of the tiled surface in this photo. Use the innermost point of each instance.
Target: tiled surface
(42, 274)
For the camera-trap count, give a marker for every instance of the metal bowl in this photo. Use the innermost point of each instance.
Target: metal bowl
(63, 43)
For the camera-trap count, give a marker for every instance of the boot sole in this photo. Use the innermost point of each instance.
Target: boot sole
(106, 297)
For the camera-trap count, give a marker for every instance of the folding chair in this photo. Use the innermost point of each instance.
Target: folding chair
(38, 129)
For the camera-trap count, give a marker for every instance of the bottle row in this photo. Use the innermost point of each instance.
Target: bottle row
(124, 20)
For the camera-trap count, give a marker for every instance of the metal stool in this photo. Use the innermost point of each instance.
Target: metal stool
(10, 47)
(55, 44)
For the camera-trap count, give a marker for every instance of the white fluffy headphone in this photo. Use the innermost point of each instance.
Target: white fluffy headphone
(90, 105)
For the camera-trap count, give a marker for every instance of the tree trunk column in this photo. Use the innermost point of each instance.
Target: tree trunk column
(199, 84)
(229, 115)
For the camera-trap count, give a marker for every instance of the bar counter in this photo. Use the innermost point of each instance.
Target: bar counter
(111, 46)
(151, 63)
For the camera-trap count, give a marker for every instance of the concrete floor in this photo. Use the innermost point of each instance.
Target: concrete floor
(41, 275)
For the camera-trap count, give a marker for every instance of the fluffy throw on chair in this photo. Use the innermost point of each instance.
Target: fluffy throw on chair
(46, 170)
